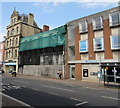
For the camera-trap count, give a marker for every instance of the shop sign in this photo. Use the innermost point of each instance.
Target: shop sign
(85, 72)
(93, 73)
(106, 68)
(90, 61)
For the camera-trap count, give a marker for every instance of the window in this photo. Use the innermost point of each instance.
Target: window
(15, 53)
(114, 18)
(11, 21)
(17, 29)
(9, 54)
(16, 41)
(12, 31)
(8, 33)
(97, 23)
(83, 26)
(10, 42)
(98, 44)
(83, 46)
(115, 44)
(14, 20)
(6, 54)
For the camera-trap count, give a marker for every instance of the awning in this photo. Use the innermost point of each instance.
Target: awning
(10, 63)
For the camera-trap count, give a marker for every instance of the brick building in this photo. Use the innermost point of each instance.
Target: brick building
(42, 54)
(94, 47)
(2, 50)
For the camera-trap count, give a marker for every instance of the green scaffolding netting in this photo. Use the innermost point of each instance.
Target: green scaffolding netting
(51, 38)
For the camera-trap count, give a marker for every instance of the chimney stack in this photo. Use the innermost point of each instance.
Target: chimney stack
(45, 28)
(30, 19)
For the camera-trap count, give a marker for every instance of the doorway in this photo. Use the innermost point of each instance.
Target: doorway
(72, 71)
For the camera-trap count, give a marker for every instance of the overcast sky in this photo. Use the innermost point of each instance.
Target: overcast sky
(54, 13)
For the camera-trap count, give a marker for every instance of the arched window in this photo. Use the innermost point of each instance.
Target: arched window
(16, 41)
(14, 20)
(13, 42)
(17, 29)
(6, 54)
(10, 42)
(7, 43)
(12, 31)
(8, 33)
(9, 53)
(15, 53)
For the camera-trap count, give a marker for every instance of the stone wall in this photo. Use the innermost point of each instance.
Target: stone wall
(42, 70)
(42, 62)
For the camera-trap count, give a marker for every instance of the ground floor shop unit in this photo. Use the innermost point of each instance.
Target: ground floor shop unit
(10, 66)
(92, 70)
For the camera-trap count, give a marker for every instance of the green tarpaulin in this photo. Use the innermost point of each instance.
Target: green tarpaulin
(51, 38)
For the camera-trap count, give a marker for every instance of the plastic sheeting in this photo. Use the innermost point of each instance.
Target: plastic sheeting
(51, 38)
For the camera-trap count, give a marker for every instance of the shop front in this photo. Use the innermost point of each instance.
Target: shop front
(8, 66)
(111, 72)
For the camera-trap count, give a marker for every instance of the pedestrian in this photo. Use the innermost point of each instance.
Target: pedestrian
(59, 74)
(3, 71)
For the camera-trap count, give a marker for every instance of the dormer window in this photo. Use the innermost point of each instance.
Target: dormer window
(114, 18)
(14, 20)
(97, 23)
(83, 27)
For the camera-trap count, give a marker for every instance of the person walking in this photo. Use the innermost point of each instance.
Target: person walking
(60, 74)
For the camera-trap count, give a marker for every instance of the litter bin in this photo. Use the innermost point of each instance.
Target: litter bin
(14, 74)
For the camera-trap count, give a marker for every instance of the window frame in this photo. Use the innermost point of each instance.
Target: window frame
(80, 26)
(17, 29)
(94, 42)
(110, 19)
(94, 23)
(112, 42)
(8, 33)
(15, 52)
(86, 46)
(16, 41)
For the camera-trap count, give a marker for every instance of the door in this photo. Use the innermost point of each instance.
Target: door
(72, 71)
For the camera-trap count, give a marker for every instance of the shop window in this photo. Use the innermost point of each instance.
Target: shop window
(114, 18)
(83, 46)
(115, 44)
(98, 44)
(83, 26)
(97, 23)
